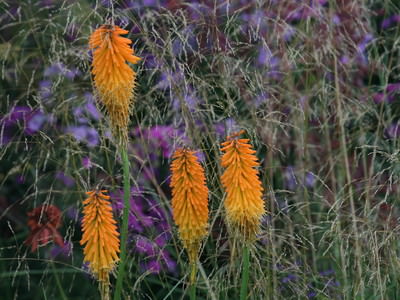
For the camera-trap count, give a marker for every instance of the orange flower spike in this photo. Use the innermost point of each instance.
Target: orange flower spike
(114, 79)
(189, 200)
(243, 203)
(99, 234)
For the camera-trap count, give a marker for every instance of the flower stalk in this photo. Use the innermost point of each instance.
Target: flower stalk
(124, 228)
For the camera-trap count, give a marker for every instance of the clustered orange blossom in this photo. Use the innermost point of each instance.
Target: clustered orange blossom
(114, 79)
(243, 203)
(99, 234)
(189, 200)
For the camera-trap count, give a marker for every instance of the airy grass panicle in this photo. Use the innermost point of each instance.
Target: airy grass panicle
(114, 79)
(100, 235)
(189, 200)
(243, 203)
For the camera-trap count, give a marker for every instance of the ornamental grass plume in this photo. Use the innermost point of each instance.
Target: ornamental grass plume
(243, 203)
(189, 200)
(100, 236)
(114, 79)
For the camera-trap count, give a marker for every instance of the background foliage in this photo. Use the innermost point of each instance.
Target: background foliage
(314, 83)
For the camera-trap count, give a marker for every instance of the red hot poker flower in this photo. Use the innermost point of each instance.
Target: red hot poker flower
(43, 222)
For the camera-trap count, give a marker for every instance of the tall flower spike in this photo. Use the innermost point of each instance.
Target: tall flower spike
(189, 200)
(243, 203)
(114, 79)
(100, 235)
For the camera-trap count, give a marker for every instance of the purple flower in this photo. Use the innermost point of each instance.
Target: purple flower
(67, 180)
(336, 19)
(161, 137)
(45, 89)
(327, 272)
(64, 251)
(20, 179)
(144, 246)
(378, 98)
(393, 130)
(390, 21)
(85, 134)
(20, 117)
(364, 42)
(288, 278)
(309, 180)
(35, 123)
(59, 68)
(290, 178)
(225, 127)
(71, 33)
(152, 266)
(169, 262)
(312, 294)
(264, 56)
(86, 162)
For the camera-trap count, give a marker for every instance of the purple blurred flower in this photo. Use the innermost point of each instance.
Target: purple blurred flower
(152, 266)
(264, 56)
(393, 130)
(35, 122)
(144, 246)
(64, 251)
(327, 272)
(86, 162)
(85, 134)
(261, 99)
(344, 59)
(45, 89)
(226, 127)
(146, 218)
(67, 180)
(71, 33)
(290, 178)
(20, 119)
(390, 21)
(336, 19)
(161, 137)
(59, 68)
(289, 277)
(20, 179)
(168, 79)
(309, 180)
(378, 98)
(391, 92)
(364, 42)
(312, 294)
(169, 262)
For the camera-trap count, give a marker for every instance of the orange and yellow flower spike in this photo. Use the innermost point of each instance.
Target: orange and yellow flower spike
(114, 79)
(100, 236)
(243, 203)
(189, 200)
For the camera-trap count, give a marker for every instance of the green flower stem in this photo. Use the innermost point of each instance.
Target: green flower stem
(58, 282)
(245, 273)
(193, 272)
(124, 228)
